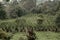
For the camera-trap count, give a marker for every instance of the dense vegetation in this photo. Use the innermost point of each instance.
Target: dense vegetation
(45, 17)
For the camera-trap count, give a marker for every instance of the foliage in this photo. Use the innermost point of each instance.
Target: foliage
(57, 21)
(14, 11)
(4, 35)
(2, 12)
(48, 7)
(39, 22)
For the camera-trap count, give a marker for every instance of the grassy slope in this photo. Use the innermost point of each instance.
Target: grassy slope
(40, 36)
(31, 20)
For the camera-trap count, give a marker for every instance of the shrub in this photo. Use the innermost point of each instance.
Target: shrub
(8, 26)
(21, 24)
(4, 35)
(47, 23)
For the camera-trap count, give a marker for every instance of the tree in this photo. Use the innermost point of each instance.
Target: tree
(58, 21)
(2, 12)
(14, 10)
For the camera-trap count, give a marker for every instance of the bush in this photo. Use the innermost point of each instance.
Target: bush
(8, 26)
(46, 23)
(4, 35)
(21, 24)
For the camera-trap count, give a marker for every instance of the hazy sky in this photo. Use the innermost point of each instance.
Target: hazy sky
(0, 0)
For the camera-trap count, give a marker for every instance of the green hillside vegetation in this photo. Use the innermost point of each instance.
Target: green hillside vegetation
(39, 22)
(44, 19)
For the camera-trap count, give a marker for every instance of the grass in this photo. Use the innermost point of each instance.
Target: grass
(19, 36)
(40, 36)
(48, 36)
